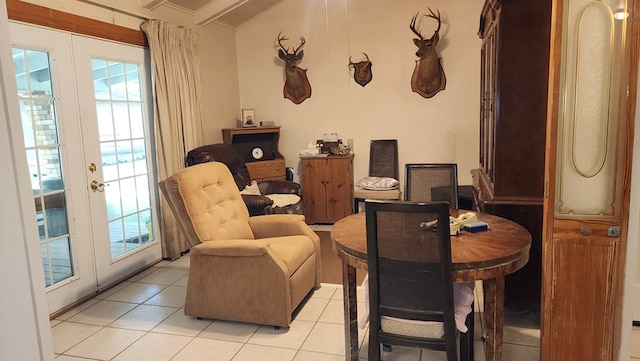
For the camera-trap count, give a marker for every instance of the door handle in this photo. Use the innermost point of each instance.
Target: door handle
(97, 186)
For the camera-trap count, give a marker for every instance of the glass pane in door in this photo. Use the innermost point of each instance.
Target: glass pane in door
(124, 157)
(44, 157)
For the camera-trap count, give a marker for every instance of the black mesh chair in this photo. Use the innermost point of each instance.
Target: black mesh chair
(383, 163)
(427, 182)
(410, 278)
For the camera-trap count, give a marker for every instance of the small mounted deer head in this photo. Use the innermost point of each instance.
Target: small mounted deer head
(361, 71)
(296, 85)
(428, 76)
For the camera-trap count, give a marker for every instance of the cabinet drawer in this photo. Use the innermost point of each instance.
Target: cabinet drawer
(267, 170)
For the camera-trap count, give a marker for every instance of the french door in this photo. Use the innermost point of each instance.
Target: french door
(85, 119)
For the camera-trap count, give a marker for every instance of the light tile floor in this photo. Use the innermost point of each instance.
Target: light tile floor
(143, 319)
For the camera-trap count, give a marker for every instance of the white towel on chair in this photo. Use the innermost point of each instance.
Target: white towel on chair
(283, 200)
(462, 300)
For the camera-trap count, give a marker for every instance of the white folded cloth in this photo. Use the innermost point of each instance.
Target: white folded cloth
(283, 200)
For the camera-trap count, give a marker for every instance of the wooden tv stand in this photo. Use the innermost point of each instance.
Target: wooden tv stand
(272, 166)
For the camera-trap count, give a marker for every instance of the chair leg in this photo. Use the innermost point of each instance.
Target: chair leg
(374, 348)
(356, 204)
(466, 339)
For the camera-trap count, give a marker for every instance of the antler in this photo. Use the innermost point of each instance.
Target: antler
(302, 42)
(351, 63)
(412, 26)
(286, 50)
(280, 38)
(434, 16)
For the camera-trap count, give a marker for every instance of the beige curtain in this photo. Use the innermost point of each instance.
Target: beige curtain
(176, 78)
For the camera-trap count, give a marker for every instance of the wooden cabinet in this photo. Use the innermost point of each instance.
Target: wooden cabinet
(271, 165)
(514, 76)
(327, 187)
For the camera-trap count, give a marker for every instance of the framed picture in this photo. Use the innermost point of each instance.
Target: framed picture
(248, 118)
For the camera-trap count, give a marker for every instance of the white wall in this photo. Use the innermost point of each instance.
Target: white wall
(219, 72)
(444, 128)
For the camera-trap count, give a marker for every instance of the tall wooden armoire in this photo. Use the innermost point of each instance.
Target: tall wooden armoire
(514, 78)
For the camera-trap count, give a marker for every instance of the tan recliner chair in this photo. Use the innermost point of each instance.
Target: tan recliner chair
(247, 269)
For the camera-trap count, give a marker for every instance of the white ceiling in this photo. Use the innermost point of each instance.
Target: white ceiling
(230, 12)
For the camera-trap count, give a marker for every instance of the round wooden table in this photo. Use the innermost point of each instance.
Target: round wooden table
(487, 256)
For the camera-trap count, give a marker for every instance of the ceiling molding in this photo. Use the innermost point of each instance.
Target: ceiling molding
(152, 4)
(229, 13)
(216, 9)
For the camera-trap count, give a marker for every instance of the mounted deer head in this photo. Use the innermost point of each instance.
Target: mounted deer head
(296, 85)
(361, 71)
(428, 76)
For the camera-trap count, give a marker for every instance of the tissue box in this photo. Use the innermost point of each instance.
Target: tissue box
(309, 152)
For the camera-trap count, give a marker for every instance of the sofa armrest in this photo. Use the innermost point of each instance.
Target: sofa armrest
(279, 225)
(256, 204)
(233, 248)
(279, 187)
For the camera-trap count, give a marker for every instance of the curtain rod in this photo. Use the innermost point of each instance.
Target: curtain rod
(94, 3)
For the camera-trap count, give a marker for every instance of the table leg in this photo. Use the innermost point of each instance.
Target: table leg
(494, 317)
(350, 312)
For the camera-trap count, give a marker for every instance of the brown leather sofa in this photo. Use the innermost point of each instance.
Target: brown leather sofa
(256, 204)
(246, 269)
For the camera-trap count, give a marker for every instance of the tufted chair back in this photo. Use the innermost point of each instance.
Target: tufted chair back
(207, 203)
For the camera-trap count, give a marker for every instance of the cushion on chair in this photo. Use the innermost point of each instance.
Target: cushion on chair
(292, 250)
(378, 183)
(462, 298)
(380, 188)
(411, 328)
(361, 193)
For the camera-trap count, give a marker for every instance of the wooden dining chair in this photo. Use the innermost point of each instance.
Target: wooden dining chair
(411, 292)
(427, 182)
(383, 171)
